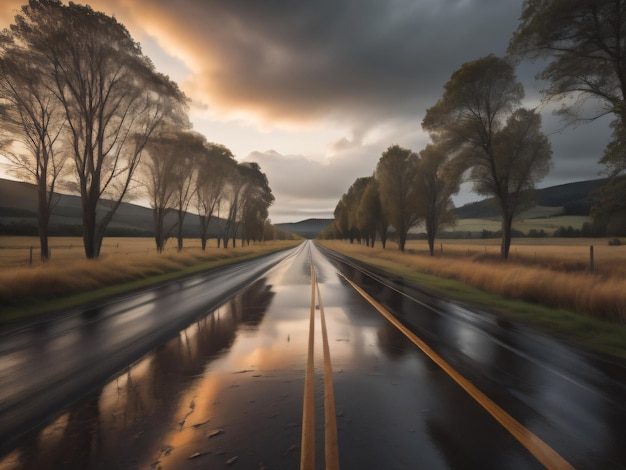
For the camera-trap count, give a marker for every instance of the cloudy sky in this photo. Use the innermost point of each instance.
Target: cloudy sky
(315, 91)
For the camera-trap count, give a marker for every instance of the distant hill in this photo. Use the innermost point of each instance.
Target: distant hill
(572, 197)
(309, 228)
(18, 212)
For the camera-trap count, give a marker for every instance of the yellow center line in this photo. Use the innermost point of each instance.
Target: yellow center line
(307, 455)
(331, 446)
(542, 452)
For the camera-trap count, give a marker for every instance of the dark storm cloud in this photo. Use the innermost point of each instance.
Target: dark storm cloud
(367, 69)
(297, 60)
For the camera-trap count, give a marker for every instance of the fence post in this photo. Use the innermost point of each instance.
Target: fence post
(591, 261)
(31, 255)
(442, 248)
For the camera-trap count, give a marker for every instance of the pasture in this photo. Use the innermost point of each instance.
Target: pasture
(552, 272)
(548, 224)
(125, 264)
(24, 251)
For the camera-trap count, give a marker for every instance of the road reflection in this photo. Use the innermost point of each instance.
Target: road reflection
(128, 422)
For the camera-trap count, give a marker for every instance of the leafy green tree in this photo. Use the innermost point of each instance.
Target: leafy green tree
(435, 186)
(584, 40)
(111, 94)
(356, 223)
(584, 43)
(479, 119)
(341, 219)
(370, 214)
(396, 173)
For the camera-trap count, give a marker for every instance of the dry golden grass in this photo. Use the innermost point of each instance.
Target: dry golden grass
(72, 273)
(601, 294)
(15, 251)
(557, 254)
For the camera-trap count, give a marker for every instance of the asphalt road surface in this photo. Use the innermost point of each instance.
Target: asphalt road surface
(300, 359)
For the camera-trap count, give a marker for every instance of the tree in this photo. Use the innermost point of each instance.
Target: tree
(190, 148)
(255, 201)
(584, 41)
(32, 121)
(396, 172)
(213, 167)
(356, 222)
(478, 117)
(372, 209)
(168, 170)
(434, 188)
(369, 212)
(341, 219)
(245, 184)
(112, 97)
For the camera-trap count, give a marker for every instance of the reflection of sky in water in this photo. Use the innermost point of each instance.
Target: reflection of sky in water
(240, 370)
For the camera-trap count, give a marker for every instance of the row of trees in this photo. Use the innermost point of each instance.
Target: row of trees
(81, 106)
(182, 172)
(478, 129)
(482, 132)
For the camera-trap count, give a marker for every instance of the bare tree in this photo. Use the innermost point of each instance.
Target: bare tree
(158, 173)
(112, 97)
(32, 119)
(479, 117)
(190, 149)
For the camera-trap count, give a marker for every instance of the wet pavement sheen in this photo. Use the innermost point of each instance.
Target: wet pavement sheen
(227, 391)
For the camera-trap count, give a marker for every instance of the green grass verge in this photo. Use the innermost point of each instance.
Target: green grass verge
(588, 333)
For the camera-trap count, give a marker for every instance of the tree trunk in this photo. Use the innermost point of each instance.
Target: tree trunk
(43, 218)
(159, 235)
(430, 234)
(431, 245)
(89, 227)
(507, 222)
(401, 241)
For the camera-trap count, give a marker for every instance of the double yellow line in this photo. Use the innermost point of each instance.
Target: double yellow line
(331, 450)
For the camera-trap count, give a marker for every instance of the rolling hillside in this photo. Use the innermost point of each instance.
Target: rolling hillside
(18, 211)
(309, 228)
(18, 208)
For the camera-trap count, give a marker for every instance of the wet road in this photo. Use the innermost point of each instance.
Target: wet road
(228, 388)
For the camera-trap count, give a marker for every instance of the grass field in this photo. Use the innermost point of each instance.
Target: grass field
(547, 224)
(556, 292)
(560, 254)
(126, 264)
(16, 251)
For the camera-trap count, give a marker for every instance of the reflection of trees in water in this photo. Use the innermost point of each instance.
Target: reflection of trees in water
(77, 447)
(251, 305)
(101, 434)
